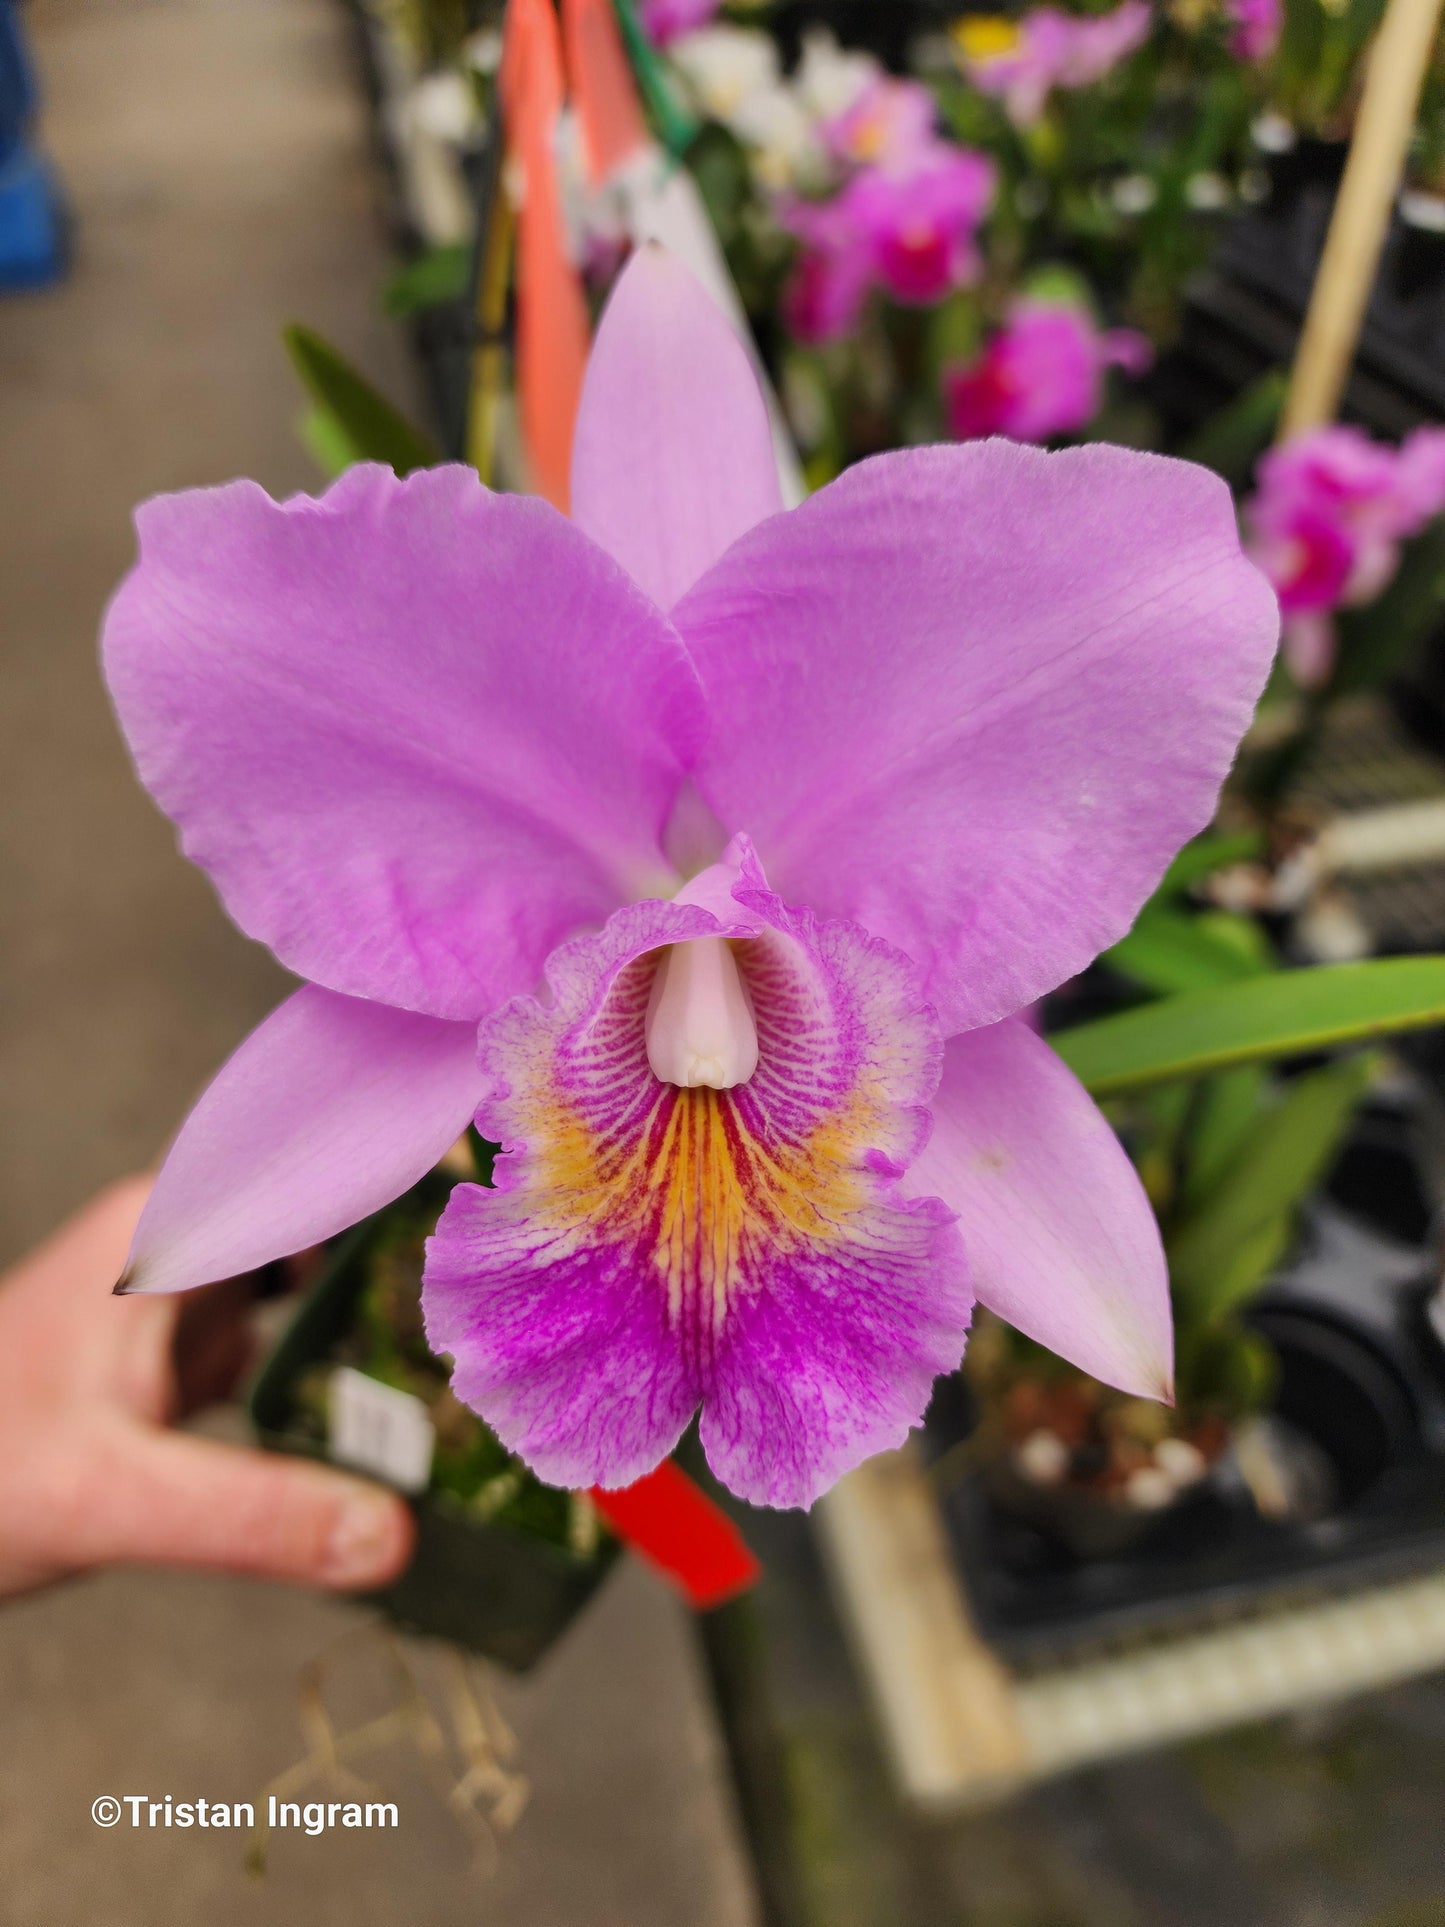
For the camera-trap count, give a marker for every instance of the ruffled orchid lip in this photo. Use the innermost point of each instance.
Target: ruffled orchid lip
(656, 1244)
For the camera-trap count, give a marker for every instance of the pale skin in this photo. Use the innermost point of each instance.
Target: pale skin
(90, 1473)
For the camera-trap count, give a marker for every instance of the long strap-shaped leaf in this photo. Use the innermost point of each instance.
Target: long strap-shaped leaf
(1283, 1015)
(359, 424)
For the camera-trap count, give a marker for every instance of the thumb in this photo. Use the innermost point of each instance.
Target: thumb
(178, 1500)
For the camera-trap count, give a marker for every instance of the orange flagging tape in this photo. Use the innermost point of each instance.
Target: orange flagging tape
(552, 328)
(608, 109)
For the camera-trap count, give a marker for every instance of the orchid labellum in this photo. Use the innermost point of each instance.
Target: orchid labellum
(703, 854)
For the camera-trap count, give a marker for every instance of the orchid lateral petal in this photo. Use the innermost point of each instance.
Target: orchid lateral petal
(1061, 1240)
(975, 699)
(416, 733)
(330, 1109)
(673, 459)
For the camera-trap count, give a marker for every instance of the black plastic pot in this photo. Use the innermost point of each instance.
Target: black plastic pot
(1361, 1386)
(1244, 315)
(500, 1592)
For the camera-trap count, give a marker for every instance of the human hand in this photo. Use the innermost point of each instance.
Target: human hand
(89, 1474)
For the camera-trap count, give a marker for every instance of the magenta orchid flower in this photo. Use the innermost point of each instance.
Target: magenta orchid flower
(1041, 375)
(910, 231)
(1048, 49)
(1331, 509)
(702, 853)
(664, 21)
(889, 125)
(1255, 28)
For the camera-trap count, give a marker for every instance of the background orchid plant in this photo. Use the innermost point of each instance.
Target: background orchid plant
(705, 855)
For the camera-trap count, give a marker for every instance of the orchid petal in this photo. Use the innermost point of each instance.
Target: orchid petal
(975, 698)
(416, 732)
(330, 1109)
(673, 458)
(1061, 1239)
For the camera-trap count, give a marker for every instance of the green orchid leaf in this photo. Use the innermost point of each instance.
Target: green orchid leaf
(674, 125)
(326, 443)
(1233, 441)
(1284, 1014)
(1224, 1109)
(1227, 1366)
(1215, 850)
(1236, 1274)
(1169, 951)
(441, 274)
(358, 417)
(1222, 1252)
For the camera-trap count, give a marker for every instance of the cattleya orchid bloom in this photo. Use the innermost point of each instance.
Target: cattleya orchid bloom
(664, 21)
(908, 228)
(702, 853)
(1024, 61)
(889, 125)
(1041, 375)
(1255, 27)
(1327, 519)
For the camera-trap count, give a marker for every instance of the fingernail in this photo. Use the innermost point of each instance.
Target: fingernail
(363, 1546)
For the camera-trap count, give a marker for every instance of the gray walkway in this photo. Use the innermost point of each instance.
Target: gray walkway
(214, 150)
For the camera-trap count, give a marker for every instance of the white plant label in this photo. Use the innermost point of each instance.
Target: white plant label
(377, 1429)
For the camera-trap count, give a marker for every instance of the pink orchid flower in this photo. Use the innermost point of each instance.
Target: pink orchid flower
(664, 21)
(1327, 519)
(789, 812)
(1050, 49)
(889, 125)
(911, 232)
(1041, 375)
(1256, 28)
(920, 224)
(834, 270)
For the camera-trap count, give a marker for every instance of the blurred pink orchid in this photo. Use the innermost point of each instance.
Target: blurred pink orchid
(889, 125)
(1048, 49)
(910, 231)
(664, 21)
(1256, 28)
(1041, 375)
(1327, 519)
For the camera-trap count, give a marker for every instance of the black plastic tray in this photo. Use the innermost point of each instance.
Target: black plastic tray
(1362, 1371)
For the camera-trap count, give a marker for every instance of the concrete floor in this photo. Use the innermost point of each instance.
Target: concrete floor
(215, 156)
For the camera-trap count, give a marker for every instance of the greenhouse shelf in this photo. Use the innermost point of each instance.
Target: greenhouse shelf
(962, 1729)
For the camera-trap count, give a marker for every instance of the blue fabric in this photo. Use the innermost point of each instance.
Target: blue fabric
(31, 241)
(17, 81)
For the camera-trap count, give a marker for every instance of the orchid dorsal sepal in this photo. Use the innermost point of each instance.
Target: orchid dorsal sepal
(700, 1024)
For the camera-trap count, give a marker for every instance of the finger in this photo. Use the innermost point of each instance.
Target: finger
(171, 1499)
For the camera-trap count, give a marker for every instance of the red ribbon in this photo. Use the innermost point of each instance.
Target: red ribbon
(670, 1521)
